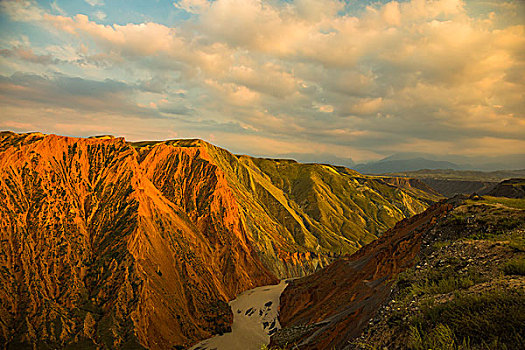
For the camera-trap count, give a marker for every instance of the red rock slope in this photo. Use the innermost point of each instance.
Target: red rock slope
(94, 253)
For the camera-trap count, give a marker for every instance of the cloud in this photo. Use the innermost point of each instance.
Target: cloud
(442, 76)
(95, 2)
(67, 92)
(100, 15)
(27, 54)
(192, 6)
(21, 10)
(57, 8)
(326, 108)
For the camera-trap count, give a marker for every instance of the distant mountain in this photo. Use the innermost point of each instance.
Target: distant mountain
(111, 244)
(389, 165)
(411, 161)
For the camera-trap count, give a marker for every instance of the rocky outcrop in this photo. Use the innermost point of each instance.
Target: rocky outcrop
(106, 243)
(332, 306)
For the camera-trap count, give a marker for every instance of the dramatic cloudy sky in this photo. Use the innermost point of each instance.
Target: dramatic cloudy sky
(358, 79)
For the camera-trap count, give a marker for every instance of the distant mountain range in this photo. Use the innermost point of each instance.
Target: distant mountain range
(451, 182)
(401, 162)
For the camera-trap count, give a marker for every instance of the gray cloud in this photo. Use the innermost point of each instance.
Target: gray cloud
(29, 56)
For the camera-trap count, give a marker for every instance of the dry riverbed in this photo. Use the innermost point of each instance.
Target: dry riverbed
(254, 320)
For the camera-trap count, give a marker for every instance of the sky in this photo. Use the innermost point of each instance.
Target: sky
(348, 79)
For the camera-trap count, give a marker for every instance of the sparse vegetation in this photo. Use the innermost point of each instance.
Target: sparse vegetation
(516, 203)
(485, 320)
(439, 280)
(466, 290)
(266, 347)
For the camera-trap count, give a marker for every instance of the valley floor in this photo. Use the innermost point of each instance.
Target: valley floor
(254, 320)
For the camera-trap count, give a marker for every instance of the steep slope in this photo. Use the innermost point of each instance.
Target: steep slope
(331, 308)
(298, 215)
(93, 253)
(331, 209)
(114, 244)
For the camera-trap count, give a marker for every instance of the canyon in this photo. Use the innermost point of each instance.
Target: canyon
(116, 244)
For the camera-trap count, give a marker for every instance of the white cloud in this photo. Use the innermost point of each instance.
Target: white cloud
(95, 2)
(192, 6)
(21, 10)
(100, 15)
(57, 8)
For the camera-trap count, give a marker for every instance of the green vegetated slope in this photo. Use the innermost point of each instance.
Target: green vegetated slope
(467, 290)
(300, 215)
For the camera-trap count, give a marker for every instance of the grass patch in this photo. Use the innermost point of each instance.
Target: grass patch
(440, 338)
(447, 284)
(517, 242)
(515, 267)
(514, 238)
(494, 319)
(440, 244)
(440, 280)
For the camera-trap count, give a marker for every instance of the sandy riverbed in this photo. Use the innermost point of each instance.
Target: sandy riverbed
(254, 320)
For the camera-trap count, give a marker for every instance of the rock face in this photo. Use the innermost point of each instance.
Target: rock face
(93, 252)
(332, 306)
(112, 244)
